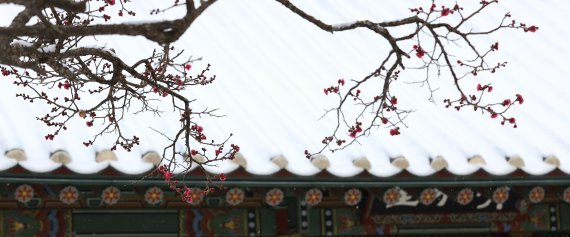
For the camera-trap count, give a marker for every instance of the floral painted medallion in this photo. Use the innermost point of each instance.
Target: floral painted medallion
(274, 197)
(427, 197)
(197, 196)
(24, 193)
(235, 196)
(313, 197)
(501, 195)
(153, 195)
(536, 194)
(352, 197)
(111, 195)
(391, 196)
(465, 196)
(69, 195)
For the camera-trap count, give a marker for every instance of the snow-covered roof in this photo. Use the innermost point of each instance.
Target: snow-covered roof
(271, 66)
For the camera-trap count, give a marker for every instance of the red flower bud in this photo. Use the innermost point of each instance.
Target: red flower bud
(394, 131)
(445, 12)
(358, 129)
(532, 28)
(519, 98)
(420, 53)
(353, 134)
(495, 46)
(394, 100)
(167, 175)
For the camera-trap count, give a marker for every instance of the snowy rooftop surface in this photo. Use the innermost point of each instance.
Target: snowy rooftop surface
(271, 67)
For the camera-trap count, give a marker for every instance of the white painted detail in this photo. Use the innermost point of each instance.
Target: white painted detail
(405, 200)
(484, 204)
(443, 196)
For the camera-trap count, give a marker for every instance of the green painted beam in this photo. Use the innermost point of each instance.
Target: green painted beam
(112, 223)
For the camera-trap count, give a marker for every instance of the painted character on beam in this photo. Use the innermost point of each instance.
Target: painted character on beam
(499, 197)
(398, 197)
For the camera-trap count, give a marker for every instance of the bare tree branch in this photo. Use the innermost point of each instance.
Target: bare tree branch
(46, 58)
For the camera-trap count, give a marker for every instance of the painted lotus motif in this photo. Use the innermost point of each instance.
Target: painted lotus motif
(274, 197)
(465, 196)
(313, 197)
(352, 197)
(153, 195)
(536, 194)
(428, 195)
(111, 195)
(235, 196)
(391, 196)
(501, 195)
(24, 193)
(69, 195)
(197, 196)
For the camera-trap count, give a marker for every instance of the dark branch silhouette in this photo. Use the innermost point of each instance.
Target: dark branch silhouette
(41, 52)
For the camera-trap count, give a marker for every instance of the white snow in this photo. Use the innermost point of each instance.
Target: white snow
(21, 43)
(271, 66)
(48, 48)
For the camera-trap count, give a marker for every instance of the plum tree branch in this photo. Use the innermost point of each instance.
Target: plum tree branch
(45, 57)
(384, 103)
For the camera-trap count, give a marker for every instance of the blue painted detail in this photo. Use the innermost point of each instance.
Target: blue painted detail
(507, 227)
(407, 218)
(49, 191)
(52, 217)
(196, 222)
(380, 230)
(483, 217)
